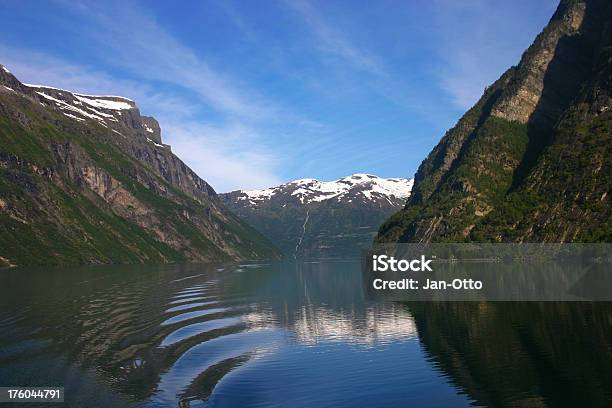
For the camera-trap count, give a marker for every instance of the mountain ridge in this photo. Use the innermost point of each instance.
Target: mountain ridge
(313, 190)
(87, 179)
(529, 162)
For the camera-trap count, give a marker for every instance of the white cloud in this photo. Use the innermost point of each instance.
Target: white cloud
(466, 77)
(335, 42)
(220, 154)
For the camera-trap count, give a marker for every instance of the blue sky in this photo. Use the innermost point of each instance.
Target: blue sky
(254, 93)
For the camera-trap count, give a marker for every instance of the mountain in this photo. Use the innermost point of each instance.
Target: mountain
(87, 179)
(531, 161)
(313, 219)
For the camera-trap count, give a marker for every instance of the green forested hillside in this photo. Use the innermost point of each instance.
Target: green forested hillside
(532, 160)
(80, 184)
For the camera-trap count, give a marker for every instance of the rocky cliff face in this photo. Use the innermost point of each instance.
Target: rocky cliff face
(312, 219)
(531, 161)
(87, 179)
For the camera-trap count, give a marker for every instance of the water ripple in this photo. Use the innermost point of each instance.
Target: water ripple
(195, 329)
(192, 315)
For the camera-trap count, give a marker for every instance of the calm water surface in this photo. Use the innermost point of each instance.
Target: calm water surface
(292, 335)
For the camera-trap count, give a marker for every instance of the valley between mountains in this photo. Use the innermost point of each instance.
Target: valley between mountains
(311, 219)
(88, 179)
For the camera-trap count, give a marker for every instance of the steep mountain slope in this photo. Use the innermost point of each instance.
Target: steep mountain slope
(312, 219)
(87, 179)
(531, 161)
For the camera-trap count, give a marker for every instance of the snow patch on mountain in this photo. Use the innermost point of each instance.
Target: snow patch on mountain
(259, 195)
(74, 117)
(155, 143)
(65, 106)
(105, 97)
(104, 103)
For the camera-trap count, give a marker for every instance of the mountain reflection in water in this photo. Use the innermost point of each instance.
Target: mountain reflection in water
(286, 334)
(522, 354)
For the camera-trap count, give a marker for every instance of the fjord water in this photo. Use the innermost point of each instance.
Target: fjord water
(288, 334)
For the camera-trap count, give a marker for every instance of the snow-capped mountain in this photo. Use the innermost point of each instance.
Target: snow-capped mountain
(357, 187)
(112, 112)
(308, 218)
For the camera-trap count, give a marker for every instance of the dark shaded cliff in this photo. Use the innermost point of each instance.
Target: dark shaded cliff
(86, 179)
(531, 161)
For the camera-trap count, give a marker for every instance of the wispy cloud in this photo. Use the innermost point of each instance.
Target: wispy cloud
(477, 54)
(154, 54)
(335, 43)
(355, 71)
